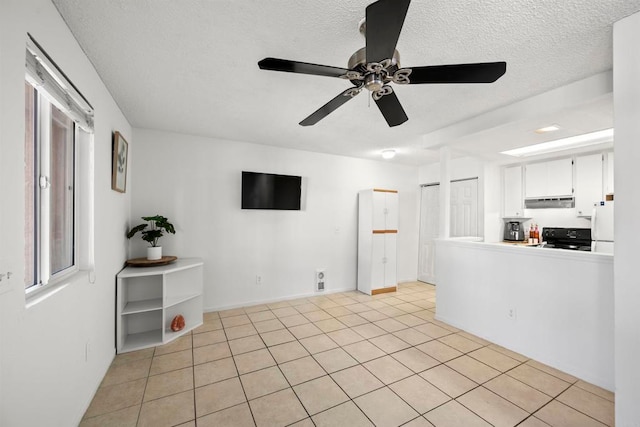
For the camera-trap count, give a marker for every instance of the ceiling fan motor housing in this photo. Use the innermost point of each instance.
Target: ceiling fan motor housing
(375, 75)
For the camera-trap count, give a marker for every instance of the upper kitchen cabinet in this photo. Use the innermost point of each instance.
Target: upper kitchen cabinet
(512, 196)
(609, 174)
(549, 179)
(588, 183)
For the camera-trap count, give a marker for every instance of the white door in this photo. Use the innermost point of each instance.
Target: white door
(464, 208)
(464, 221)
(429, 223)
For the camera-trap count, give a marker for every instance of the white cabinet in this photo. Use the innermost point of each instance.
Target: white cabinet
(609, 175)
(148, 298)
(549, 179)
(512, 197)
(588, 183)
(377, 233)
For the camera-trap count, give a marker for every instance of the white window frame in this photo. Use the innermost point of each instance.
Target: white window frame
(53, 88)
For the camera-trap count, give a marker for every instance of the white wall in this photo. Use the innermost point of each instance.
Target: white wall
(562, 217)
(195, 182)
(44, 377)
(626, 69)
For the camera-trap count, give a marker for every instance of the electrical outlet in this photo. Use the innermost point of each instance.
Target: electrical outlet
(320, 279)
(511, 313)
(258, 279)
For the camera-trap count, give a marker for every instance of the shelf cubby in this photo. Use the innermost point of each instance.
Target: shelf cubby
(148, 298)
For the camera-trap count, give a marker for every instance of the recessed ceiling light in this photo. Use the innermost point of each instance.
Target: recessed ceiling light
(388, 154)
(571, 142)
(547, 129)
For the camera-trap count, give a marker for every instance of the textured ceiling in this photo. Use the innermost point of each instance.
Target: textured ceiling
(190, 66)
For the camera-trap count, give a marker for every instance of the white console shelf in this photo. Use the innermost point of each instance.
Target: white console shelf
(148, 298)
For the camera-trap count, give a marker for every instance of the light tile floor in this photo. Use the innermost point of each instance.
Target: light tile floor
(344, 359)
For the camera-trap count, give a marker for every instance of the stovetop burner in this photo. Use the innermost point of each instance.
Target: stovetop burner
(576, 239)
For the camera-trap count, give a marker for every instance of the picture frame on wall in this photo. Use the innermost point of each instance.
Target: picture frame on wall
(120, 159)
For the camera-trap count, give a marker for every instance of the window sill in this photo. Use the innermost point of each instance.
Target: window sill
(36, 296)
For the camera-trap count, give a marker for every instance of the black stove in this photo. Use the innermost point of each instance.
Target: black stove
(577, 239)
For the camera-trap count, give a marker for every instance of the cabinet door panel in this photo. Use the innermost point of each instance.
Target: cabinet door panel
(377, 261)
(549, 179)
(390, 260)
(513, 192)
(379, 206)
(536, 180)
(610, 162)
(588, 183)
(391, 205)
(560, 177)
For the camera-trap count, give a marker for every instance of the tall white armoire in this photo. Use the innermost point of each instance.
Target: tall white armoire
(377, 234)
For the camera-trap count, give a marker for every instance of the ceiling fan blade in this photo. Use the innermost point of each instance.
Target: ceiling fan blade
(487, 72)
(328, 108)
(391, 109)
(384, 20)
(275, 64)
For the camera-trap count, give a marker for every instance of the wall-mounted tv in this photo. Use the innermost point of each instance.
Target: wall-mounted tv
(271, 191)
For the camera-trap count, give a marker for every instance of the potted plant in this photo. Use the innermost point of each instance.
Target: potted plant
(157, 225)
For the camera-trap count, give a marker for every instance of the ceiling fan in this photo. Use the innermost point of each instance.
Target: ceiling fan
(378, 64)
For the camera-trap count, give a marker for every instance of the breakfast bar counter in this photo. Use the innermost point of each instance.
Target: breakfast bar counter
(553, 305)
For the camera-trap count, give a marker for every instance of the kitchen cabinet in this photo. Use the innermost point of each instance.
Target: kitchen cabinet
(512, 196)
(588, 183)
(549, 179)
(609, 174)
(377, 235)
(148, 298)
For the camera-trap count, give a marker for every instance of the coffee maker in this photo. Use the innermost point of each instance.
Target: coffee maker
(513, 231)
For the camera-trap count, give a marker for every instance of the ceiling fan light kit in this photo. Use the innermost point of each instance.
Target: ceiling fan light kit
(377, 65)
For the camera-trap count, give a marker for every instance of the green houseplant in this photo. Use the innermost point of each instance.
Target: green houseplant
(151, 232)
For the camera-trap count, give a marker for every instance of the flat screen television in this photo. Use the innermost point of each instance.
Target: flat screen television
(271, 191)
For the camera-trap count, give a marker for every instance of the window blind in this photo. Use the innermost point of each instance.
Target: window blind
(43, 74)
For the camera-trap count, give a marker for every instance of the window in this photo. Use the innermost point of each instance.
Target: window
(57, 122)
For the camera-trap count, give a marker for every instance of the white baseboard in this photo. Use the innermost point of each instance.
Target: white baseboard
(279, 299)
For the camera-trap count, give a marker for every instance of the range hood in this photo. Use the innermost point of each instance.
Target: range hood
(550, 203)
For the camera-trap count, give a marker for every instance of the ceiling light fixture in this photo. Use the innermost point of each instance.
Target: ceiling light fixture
(571, 142)
(547, 129)
(388, 154)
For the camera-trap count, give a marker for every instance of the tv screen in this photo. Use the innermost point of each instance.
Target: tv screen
(270, 191)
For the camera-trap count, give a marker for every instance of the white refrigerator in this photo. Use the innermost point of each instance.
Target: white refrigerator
(602, 228)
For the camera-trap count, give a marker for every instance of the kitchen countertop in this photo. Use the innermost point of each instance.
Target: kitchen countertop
(528, 250)
(519, 243)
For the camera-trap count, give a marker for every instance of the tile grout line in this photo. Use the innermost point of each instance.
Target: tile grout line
(326, 303)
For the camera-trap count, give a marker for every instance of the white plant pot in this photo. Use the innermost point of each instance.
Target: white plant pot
(154, 253)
